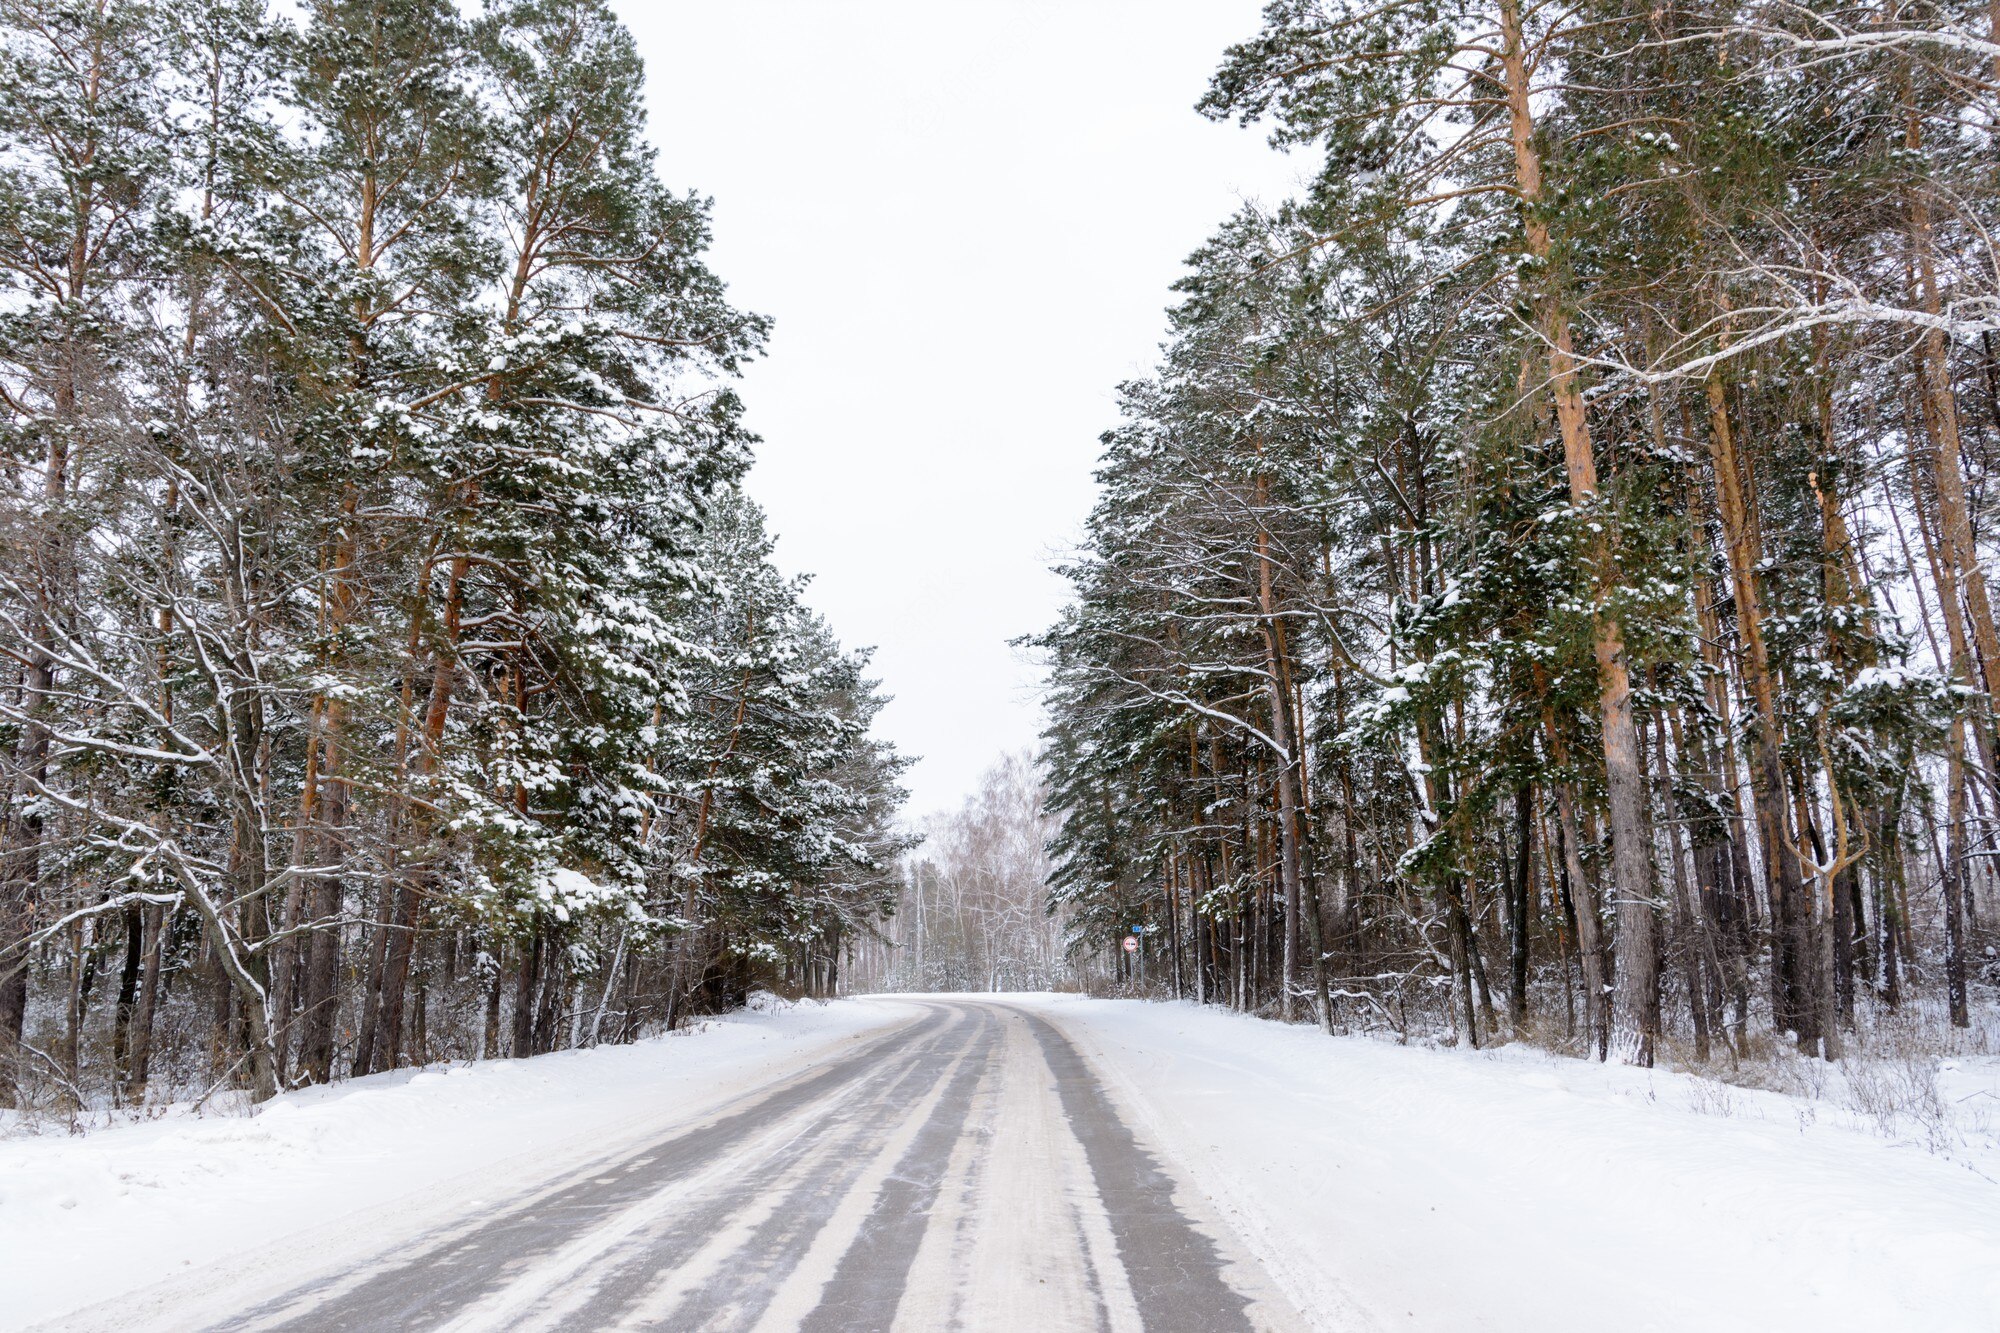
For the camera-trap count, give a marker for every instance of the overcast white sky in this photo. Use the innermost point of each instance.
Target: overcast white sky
(964, 216)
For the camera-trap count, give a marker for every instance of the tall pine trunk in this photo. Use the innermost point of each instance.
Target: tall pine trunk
(1792, 1005)
(1278, 686)
(1636, 999)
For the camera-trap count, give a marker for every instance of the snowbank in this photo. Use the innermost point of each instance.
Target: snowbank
(83, 1219)
(1393, 1187)
(1384, 1187)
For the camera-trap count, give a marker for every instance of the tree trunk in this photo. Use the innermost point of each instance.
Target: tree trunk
(20, 825)
(1632, 1034)
(1941, 416)
(324, 806)
(1278, 681)
(1583, 897)
(140, 1051)
(238, 977)
(1685, 929)
(1954, 881)
(134, 922)
(1792, 1005)
(525, 989)
(1520, 896)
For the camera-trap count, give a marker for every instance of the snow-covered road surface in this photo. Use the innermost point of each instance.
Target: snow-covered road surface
(964, 1169)
(1037, 1163)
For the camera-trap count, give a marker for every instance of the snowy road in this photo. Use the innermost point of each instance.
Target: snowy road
(965, 1169)
(1029, 1162)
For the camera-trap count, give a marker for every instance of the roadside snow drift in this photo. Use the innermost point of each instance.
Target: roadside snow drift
(1381, 1187)
(1390, 1187)
(350, 1167)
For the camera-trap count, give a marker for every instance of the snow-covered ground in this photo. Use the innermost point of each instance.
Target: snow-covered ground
(1382, 1187)
(1392, 1187)
(82, 1219)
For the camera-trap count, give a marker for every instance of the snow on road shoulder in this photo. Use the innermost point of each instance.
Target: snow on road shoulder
(1424, 1189)
(82, 1219)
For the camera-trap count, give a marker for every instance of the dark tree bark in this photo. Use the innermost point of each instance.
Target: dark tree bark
(1517, 917)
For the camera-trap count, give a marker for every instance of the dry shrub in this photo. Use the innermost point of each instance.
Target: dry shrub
(1898, 1090)
(1548, 1032)
(1708, 1096)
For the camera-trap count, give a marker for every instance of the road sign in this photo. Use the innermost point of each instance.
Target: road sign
(1138, 930)
(1131, 944)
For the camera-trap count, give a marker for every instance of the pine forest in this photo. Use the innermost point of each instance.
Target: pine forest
(1541, 591)
(394, 669)
(1000, 666)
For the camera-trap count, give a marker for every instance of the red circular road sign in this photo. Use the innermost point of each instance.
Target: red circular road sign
(1131, 944)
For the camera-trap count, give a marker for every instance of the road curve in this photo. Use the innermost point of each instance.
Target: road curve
(965, 1170)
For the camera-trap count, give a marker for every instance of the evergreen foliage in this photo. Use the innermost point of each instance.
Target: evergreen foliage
(1547, 568)
(394, 668)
